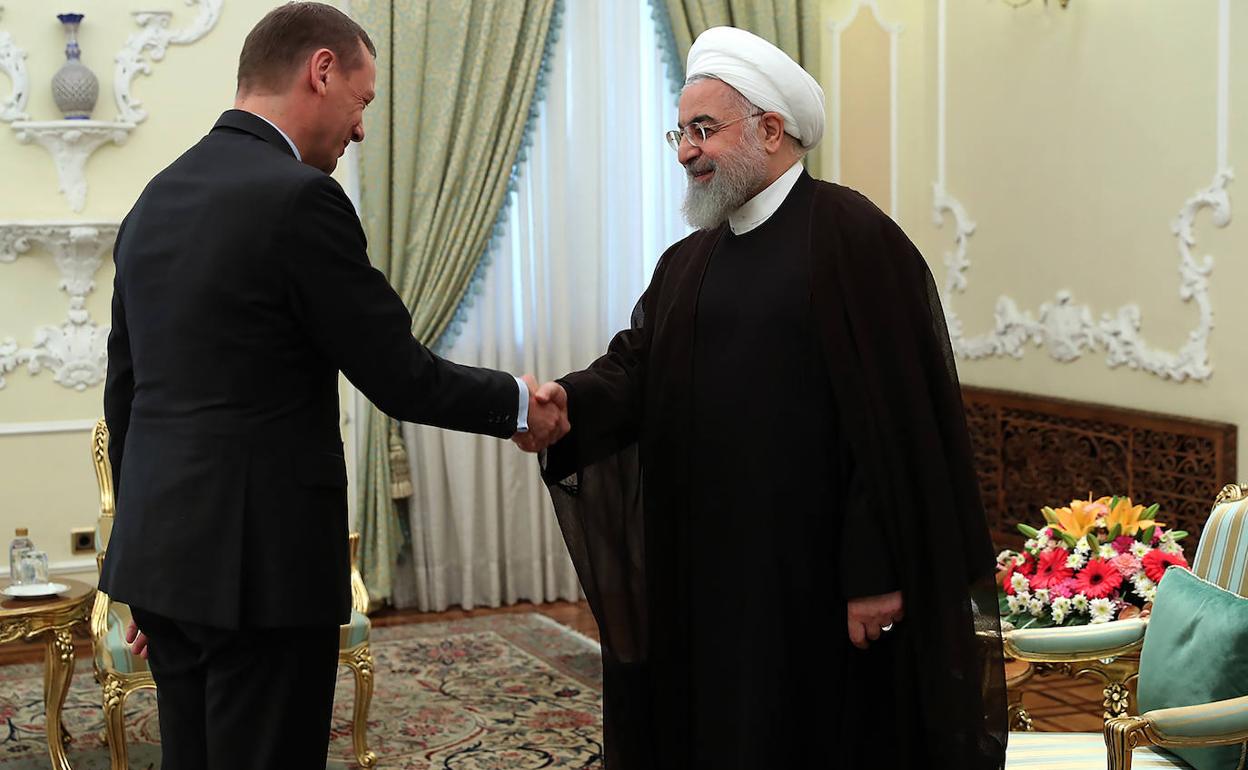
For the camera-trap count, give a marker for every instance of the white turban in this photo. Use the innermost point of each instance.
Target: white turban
(765, 75)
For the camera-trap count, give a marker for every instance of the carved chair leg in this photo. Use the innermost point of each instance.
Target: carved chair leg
(360, 662)
(114, 721)
(1019, 719)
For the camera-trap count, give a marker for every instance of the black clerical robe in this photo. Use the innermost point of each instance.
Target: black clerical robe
(789, 398)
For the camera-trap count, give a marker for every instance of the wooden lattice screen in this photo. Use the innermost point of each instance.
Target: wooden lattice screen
(1032, 451)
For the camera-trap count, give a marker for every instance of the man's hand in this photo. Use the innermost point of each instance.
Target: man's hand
(869, 615)
(548, 416)
(137, 640)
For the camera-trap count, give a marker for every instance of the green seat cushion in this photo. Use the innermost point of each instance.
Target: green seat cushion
(1077, 751)
(1195, 651)
(355, 632)
(115, 654)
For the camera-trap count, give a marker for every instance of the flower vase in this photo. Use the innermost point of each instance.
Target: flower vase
(74, 87)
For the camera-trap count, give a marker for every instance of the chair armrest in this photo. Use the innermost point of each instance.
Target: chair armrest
(1206, 724)
(99, 615)
(1223, 721)
(100, 605)
(1075, 643)
(359, 591)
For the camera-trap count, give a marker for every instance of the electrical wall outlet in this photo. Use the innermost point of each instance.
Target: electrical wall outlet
(82, 540)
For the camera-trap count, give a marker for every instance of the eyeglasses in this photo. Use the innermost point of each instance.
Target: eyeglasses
(697, 133)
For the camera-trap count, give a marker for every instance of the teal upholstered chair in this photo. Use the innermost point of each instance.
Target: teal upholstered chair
(1141, 741)
(121, 673)
(1110, 651)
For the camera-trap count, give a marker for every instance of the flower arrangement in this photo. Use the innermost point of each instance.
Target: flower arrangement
(1094, 561)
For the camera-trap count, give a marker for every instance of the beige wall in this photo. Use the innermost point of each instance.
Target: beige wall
(1074, 138)
(46, 480)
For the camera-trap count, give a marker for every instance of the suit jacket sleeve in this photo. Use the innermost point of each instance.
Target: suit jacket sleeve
(119, 380)
(360, 324)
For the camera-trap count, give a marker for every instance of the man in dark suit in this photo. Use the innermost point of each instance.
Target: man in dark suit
(243, 287)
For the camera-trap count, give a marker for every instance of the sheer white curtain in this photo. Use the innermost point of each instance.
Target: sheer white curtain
(598, 202)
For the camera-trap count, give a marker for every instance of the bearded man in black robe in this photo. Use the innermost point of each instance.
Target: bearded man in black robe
(767, 488)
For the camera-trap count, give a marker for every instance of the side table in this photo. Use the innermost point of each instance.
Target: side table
(52, 618)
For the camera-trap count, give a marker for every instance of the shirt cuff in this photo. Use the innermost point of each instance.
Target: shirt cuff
(522, 414)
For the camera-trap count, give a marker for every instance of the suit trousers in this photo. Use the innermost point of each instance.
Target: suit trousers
(244, 698)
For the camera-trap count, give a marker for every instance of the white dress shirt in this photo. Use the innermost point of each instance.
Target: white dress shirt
(759, 209)
(293, 148)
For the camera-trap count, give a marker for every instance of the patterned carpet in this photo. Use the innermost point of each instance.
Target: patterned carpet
(486, 693)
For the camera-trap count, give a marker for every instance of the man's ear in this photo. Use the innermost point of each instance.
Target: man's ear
(319, 65)
(773, 131)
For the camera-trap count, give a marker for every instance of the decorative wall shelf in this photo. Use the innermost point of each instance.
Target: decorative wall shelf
(70, 143)
(76, 350)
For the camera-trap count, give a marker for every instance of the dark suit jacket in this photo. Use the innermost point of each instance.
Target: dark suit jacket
(243, 287)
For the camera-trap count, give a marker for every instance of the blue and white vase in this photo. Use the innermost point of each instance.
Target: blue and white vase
(74, 87)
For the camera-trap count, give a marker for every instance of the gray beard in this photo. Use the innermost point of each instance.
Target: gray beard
(738, 177)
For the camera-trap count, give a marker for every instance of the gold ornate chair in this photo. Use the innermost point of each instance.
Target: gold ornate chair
(1134, 741)
(1110, 651)
(121, 673)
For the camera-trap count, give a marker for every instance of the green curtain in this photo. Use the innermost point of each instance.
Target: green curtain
(792, 25)
(456, 84)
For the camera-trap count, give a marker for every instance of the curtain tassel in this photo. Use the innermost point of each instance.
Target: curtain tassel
(400, 473)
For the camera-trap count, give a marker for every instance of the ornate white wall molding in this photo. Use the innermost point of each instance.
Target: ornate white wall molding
(153, 39)
(1069, 330)
(76, 350)
(70, 143)
(13, 62)
(894, 31)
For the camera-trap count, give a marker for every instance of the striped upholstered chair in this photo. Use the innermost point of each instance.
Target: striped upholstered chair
(1110, 651)
(121, 673)
(1140, 741)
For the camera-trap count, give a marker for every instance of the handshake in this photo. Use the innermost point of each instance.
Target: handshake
(548, 416)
